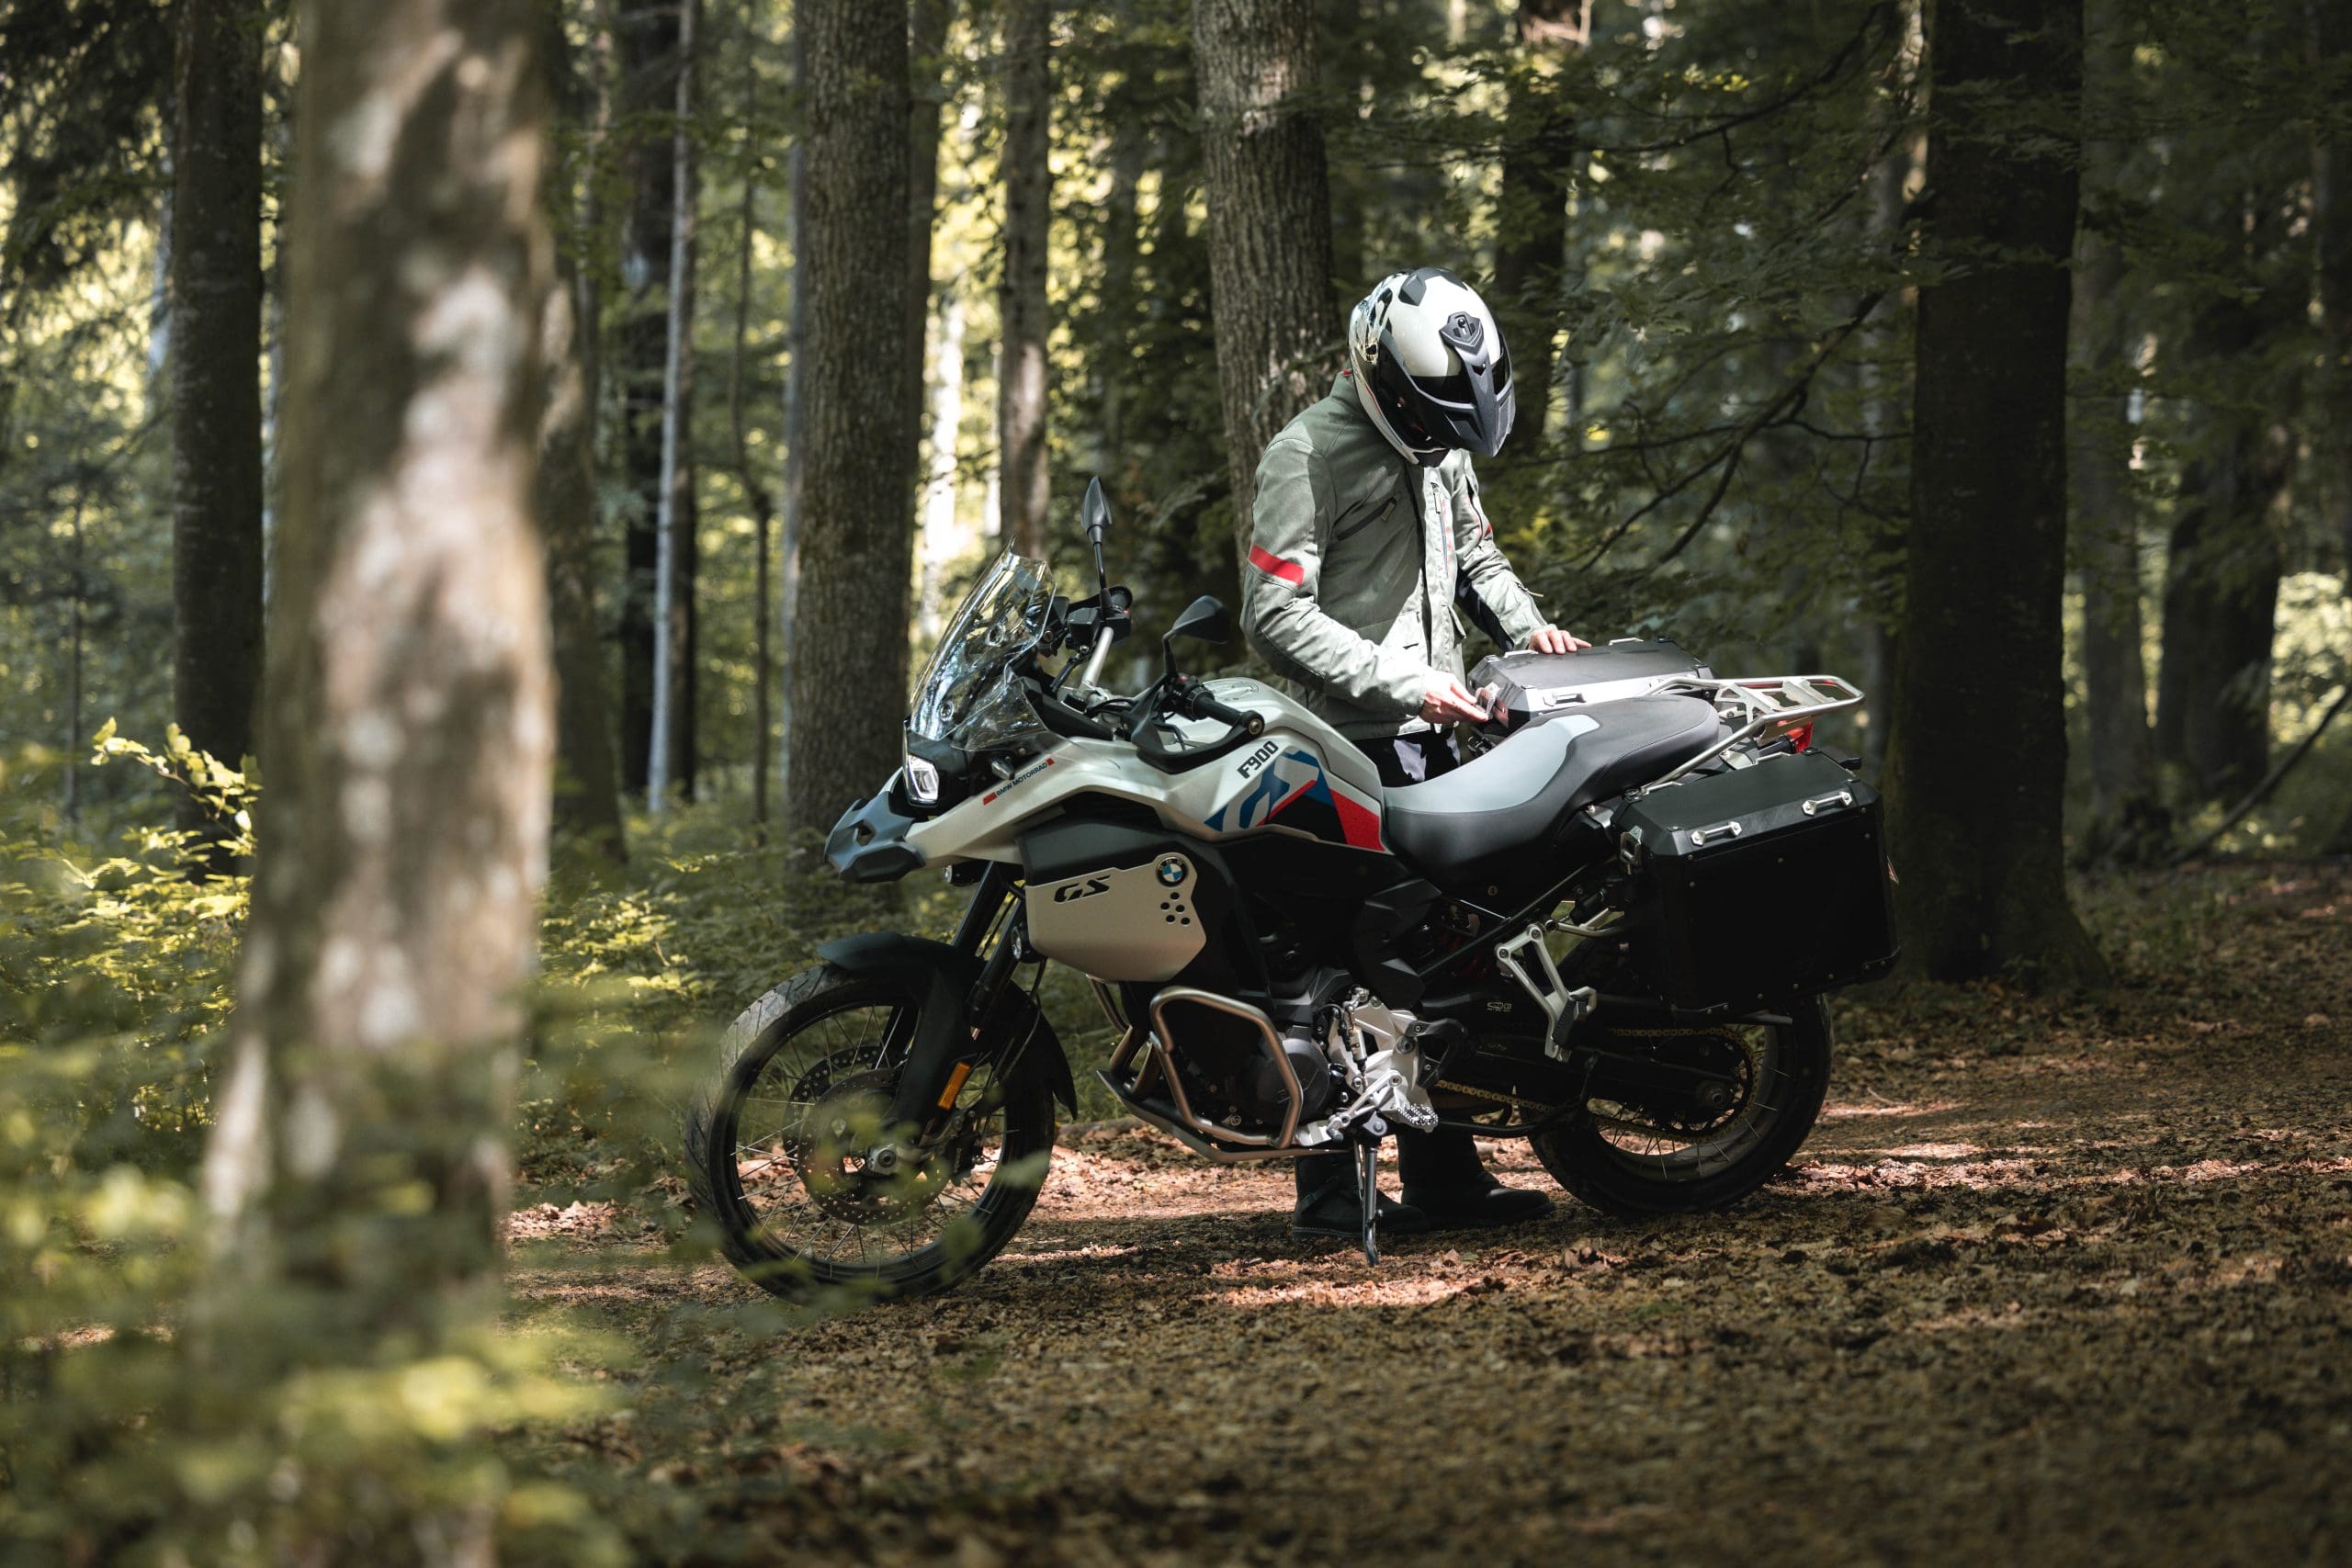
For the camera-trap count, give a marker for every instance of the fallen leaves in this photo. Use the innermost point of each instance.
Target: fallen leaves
(2083, 1301)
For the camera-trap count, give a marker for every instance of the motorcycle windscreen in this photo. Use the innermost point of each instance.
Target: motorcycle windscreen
(970, 696)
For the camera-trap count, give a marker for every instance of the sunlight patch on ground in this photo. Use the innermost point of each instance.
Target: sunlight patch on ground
(1848, 1110)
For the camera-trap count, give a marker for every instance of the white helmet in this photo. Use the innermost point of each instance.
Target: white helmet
(1430, 365)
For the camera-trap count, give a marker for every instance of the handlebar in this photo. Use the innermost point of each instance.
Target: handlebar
(1202, 705)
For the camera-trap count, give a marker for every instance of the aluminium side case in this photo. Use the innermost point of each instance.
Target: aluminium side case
(1533, 687)
(1758, 884)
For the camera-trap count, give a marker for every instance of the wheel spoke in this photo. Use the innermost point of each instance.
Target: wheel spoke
(808, 1187)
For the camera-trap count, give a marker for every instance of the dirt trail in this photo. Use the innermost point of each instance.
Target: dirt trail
(2050, 1288)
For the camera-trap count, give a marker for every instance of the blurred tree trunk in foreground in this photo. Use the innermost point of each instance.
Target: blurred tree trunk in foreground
(1975, 828)
(215, 365)
(1270, 224)
(2126, 820)
(848, 669)
(356, 1171)
(1028, 227)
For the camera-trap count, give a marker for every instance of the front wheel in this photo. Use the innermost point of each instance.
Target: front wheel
(1629, 1160)
(813, 1194)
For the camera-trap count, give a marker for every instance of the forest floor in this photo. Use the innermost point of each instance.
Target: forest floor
(2050, 1284)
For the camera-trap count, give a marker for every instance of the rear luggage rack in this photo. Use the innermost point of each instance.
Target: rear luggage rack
(1778, 702)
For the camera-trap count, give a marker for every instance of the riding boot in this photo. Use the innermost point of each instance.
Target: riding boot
(1446, 1182)
(1331, 1201)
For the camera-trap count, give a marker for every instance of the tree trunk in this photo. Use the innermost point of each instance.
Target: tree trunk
(927, 25)
(1976, 830)
(2329, 29)
(2222, 573)
(1270, 224)
(1122, 267)
(77, 598)
(755, 492)
(1022, 490)
(795, 425)
(647, 35)
(2126, 821)
(2328, 25)
(1885, 398)
(849, 634)
(357, 1171)
(215, 335)
(669, 744)
(587, 783)
(944, 539)
(1532, 219)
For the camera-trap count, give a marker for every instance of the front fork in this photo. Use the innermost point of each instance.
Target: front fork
(997, 887)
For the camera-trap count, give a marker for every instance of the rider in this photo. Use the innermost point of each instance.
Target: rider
(1367, 535)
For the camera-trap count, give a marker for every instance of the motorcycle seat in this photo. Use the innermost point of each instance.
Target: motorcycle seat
(1480, 828)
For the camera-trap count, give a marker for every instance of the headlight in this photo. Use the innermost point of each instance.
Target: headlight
(922, 780)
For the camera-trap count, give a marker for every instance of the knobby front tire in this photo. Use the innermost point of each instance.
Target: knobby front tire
(772, 1144)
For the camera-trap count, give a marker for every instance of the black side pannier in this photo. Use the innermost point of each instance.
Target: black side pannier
(1757, 886)
(1533, 687)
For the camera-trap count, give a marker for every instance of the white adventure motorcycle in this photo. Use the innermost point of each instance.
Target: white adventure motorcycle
(1609, 934)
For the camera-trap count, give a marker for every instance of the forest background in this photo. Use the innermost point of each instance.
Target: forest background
(837, 311)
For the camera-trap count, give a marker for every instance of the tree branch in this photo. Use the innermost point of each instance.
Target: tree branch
(2270, 780)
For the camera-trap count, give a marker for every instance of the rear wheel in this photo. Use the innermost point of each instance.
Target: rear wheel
(1632, 1160)
(789, 1152)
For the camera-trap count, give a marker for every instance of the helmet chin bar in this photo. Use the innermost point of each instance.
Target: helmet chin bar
(1427, 457)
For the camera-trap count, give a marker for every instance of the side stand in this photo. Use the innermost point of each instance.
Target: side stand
(1368, 1135)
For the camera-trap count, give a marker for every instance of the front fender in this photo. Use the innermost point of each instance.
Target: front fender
(946, 976)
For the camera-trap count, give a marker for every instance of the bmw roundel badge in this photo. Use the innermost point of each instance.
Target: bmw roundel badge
(1171, 871)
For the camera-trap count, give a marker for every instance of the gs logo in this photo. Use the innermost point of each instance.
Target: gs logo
(1086, 888)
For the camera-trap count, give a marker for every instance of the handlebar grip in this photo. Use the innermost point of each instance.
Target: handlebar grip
(1207, 706)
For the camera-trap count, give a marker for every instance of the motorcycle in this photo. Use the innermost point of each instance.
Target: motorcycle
(1609, 934)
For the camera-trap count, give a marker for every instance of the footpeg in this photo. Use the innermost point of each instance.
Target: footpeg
(1564, 1007)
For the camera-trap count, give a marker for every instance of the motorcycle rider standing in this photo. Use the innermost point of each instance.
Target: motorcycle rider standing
(1367, 535)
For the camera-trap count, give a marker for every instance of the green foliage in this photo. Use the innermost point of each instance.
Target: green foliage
(122, 1437)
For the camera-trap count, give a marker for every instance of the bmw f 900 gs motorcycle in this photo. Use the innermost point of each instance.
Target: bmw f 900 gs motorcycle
(1609, 934)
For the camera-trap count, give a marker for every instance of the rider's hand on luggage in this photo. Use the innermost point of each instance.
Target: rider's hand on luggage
(1446, 703)
(1552, 640)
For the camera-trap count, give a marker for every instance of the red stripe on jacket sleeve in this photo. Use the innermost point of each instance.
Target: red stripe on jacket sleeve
(1275, 566)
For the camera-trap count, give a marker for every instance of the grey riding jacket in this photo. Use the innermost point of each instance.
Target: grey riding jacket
(1355, 556)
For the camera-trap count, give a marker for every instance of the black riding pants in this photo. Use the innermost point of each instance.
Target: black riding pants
(1427, 1159)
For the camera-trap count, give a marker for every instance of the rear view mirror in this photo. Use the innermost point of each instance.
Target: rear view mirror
(1204, 620)
(1094, 511)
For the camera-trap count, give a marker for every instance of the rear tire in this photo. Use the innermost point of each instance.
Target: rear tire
(768, 1162)
(1604, 1168)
